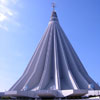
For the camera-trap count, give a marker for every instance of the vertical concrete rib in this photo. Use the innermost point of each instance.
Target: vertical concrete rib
(81, 81)
(56, 64)
(37, 72)
(69, 75)
(30, 67)
(46, 72)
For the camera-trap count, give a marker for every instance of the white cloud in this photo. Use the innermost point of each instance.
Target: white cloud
(4, 2)
(7, 13)
(7, 2)
(2, 17)
(5, 10)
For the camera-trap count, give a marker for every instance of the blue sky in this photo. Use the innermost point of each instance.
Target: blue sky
(23, 22)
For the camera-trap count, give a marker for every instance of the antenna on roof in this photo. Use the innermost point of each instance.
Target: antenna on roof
(53, 6)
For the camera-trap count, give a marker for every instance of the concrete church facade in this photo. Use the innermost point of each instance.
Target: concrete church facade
(54, 70)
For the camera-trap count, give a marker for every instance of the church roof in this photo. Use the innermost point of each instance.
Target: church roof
(54, 64)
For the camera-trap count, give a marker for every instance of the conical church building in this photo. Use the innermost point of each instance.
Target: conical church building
(54, 69)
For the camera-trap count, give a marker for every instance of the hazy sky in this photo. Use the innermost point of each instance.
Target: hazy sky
(23, 22)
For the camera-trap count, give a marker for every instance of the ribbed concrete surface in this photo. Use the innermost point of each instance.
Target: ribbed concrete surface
(54, 65)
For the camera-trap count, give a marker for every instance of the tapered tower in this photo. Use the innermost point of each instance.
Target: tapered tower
(54, 65)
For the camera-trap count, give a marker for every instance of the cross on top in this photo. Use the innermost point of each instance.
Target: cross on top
(53, 6)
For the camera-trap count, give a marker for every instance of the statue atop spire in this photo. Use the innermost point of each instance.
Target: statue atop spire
(53, 6)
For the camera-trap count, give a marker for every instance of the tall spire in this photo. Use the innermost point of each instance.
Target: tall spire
(53, 6)
(54, 67)
(53, 15)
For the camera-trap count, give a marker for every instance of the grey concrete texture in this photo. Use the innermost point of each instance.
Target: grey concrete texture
(54, 64)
